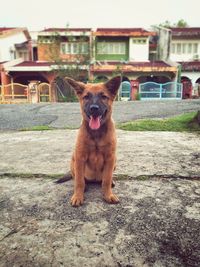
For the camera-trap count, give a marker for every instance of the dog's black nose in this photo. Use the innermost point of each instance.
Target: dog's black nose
(94, 108)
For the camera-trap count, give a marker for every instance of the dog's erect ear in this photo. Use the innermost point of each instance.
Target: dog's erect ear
(77, 86)
(113, 85)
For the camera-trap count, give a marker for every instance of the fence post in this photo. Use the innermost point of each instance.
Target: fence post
(2, 93)
(12, 90)
(50, 90)
(160, 91)
(139, 92)
(181, 87)
(176, 90)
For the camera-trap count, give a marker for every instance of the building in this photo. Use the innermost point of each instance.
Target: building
(185, 49)
(15, 43)
(92, 55)
(128, 50)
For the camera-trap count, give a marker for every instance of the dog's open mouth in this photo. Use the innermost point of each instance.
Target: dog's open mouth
(95, 122)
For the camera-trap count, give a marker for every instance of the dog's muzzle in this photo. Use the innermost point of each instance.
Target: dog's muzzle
(95, 116)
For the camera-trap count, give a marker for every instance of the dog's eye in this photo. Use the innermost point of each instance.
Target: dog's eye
(86, 97)
(104, 97)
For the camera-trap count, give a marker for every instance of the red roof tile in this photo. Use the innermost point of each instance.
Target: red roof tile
(123, 32)
(138, 63)
(182, 33)
(190, 66)
(33, 64)
(66, 29)
(3, 29)
(121, 29)
(159, 66)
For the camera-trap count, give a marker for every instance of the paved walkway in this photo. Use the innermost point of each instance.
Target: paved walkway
(156, 223)
(62, 115)
(138, 153)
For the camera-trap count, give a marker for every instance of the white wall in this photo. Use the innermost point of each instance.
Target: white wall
(185, 56)
(138, 51)
(8, 42)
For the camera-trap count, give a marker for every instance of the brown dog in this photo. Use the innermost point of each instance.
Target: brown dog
(95, 152)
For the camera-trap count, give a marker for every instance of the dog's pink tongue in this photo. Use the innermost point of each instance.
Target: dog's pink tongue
(94, 123)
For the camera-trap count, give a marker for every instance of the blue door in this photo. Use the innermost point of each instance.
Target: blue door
(125, 91)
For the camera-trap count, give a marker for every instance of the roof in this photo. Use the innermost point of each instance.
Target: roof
(148, 66)
(190, 66)
(123, 32)
(157, 63)
(22, 45)
(29, 66)
(65, 29)
(4, 31)
(33, 64)
(183, 33)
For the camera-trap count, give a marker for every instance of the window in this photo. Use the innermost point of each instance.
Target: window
(139, 41)
(179, 49)
(173, 48)
(183, 48)
(111, 48)
(23, 54)
(74, 48)
(189, 48)
(195, 48)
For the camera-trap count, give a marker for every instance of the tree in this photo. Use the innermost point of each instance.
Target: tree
(181, 23)
(76, 64)
(166, 24)
(70, 56)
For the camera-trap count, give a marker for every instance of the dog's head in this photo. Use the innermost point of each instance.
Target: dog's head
(96, 100)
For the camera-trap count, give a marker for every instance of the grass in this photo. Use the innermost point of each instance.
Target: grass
(181, 123)
(47, 128)
(38, 128)
(31, 175)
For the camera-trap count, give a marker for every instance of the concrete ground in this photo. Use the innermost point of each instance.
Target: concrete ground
(63, 115)
(155, 224)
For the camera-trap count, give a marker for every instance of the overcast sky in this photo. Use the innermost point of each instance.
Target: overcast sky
(40, 14)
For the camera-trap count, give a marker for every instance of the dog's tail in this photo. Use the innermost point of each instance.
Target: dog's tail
(65, 178)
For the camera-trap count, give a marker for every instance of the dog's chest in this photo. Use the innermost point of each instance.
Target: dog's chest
(96, 158)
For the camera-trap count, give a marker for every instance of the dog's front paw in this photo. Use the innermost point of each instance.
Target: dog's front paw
(111, 198)
(76, 200)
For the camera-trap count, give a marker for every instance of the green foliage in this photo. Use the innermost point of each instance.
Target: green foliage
(181, 23)
(70, 98)
(181, 123)
(75, 67)
(117, 71)
(137, 96)
(38, 128)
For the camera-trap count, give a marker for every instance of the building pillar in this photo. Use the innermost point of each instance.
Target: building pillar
(5, 80)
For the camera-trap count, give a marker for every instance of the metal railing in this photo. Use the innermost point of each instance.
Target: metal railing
(152, 90)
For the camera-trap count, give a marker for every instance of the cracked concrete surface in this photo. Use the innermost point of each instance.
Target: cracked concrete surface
(138, 153)
(156, 223)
